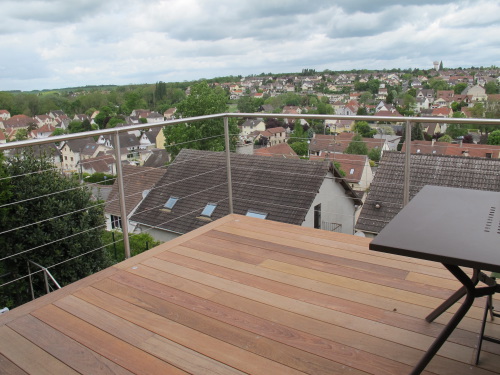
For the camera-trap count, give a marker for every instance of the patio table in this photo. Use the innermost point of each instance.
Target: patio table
(458, 228)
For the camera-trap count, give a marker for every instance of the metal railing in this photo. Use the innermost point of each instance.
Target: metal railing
(115, 132)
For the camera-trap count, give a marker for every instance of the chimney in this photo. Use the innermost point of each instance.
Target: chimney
(432, 142)
(460, 142)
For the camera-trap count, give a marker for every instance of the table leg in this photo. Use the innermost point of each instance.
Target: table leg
(452, 299)
(454, 321)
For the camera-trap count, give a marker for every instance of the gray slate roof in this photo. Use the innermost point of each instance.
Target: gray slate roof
(283, 188)
(439, 170)
(135, 181)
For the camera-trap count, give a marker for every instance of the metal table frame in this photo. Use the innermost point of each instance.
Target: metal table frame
(424, 216)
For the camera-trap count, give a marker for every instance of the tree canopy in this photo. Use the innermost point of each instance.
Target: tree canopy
(202, 135)
(494, 138)
(56, 225)
(364, 129)
(357, 146)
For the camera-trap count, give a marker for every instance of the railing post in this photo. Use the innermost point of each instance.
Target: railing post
(121, 194)
(406, 181)
(31, 282)
(228, 165)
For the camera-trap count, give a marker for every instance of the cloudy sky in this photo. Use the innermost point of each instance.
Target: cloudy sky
(48, 44)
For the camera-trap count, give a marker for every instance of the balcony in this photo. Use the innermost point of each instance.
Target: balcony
(245, 295)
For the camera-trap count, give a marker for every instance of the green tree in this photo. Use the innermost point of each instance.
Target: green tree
(298, 134)
(364, 129)
(459, 87)
(357, 146)
(21, 134)
(56, 224)
(202, 135)
(445, 138)
(375, 154)
(494, 138)
(247, 104)
(301, 148)
(491, 88)
(139, 242)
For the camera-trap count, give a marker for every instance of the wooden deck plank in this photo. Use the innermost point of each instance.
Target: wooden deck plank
(343, 305)
(173, 353)
(362, 297)
(373, 258)
(242, 295)
(277, 332)
(219, 350)
(386, 276)
(400, 336)
(275, 351)
(339, 334)
(9, 368)
(118, 351)
(28, 356)
(63, 348)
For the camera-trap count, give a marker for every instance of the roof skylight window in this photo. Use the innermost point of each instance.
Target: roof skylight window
(171, 203)
(258, 215)
(351, 171)
(209, 209)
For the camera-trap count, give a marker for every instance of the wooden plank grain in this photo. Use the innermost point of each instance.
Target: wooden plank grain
(389, 317)
(287, 335)
(9, 368)
(171, 352)
(29, 356)
(241, 338)
(219, 350)
(63, 348)
(359, 296)
(118, 351)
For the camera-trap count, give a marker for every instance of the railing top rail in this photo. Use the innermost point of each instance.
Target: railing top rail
(124, 129)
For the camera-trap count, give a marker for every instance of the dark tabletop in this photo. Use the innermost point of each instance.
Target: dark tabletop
(447, 225)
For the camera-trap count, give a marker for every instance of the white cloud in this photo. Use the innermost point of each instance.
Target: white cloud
(59, 43)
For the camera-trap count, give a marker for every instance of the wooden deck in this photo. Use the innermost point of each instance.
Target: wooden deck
(244, 295)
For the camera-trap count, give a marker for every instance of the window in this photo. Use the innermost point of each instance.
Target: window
(116, 222)
(258, 215)
(171, 202)
(351, 171)
(489, 155)
(209, 209)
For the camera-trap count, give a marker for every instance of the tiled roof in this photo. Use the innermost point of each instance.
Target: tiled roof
(18, 121)
(77, 145)
(157, 159)
(135, 181)
(340, 142)
(281, 150)
(101, 163)
(386, 189)
(282, 188)
(352, 165)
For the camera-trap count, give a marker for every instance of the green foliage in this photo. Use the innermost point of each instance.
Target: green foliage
(202, 135)
(138, 244)
(113, 121)
(357, 146)
(445, 138)
(438, 84)
(374, 154)
(56, 221)
(491, 88)
(298, 134)
(364, 129)
(21, 134)
(100, 178)
(75, 126)
(494, 138)
(301, 148)
(341, 171)
(459, 87)
(247, 104)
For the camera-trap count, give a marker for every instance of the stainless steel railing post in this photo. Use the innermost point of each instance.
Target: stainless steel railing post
(121, 194)
(228, 165)
(406, 181)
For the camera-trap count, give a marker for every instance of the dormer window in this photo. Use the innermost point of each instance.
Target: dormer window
(351, 171)
(171, 203)
(258, 215)
(209, 209)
